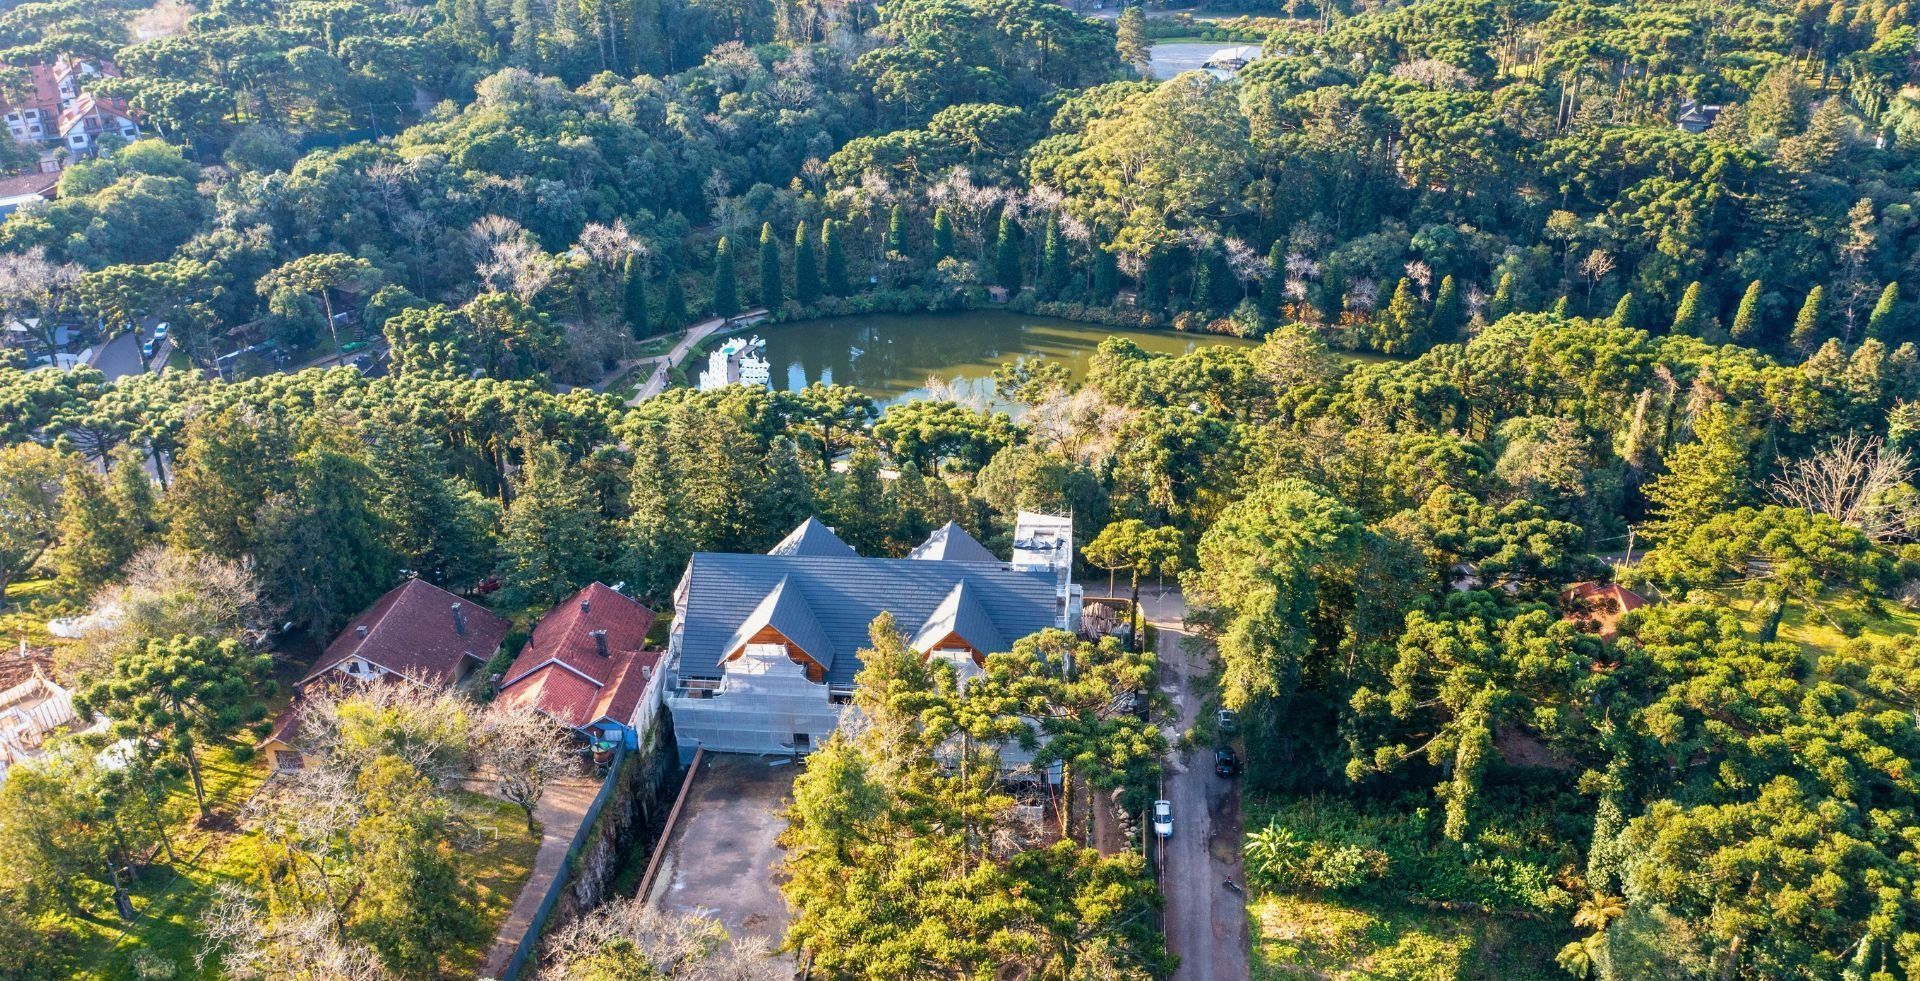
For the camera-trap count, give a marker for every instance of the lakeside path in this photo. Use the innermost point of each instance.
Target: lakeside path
(663, 364)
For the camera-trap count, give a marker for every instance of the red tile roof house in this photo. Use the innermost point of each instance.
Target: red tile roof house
(418, 632)
(587, 667)
(1598, 607)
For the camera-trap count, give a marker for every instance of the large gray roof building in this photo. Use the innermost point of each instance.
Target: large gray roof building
(765, 648)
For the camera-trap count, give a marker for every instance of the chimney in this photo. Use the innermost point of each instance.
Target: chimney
(585, 604)
(459, 620)
(360, 631)
(599, 641)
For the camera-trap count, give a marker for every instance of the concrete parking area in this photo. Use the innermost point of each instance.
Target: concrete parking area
(720, 858)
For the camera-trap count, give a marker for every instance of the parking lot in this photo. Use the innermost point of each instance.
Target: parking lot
(721, 857)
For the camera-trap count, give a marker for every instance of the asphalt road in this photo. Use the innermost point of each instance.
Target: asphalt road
(120, 357)
(1206, 923)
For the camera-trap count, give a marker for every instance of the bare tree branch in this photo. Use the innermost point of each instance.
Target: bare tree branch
(1853, 481)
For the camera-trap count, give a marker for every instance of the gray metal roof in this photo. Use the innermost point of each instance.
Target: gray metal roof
(727, 592)
(960, 613)
(787, 611)
(951, 543)
(812, 538)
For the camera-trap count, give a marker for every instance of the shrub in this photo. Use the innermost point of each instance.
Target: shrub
(1283, 861)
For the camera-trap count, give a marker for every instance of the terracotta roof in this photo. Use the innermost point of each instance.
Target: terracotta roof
(46, 92)
(1601, 605)
(566, 634)
(577, 702)
(46, 85)
(562, 672)
(85, 106)
(286, 726)
(24, 184)
(622, 694)
(414, 631)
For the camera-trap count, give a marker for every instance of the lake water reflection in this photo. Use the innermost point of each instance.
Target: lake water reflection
(892, 357)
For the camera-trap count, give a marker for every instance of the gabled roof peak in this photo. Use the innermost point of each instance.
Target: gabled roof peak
(961, 615)
(812, 538)
(788, 613)
(951, 543)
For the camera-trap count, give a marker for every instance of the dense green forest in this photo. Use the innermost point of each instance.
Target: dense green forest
(1518, 329)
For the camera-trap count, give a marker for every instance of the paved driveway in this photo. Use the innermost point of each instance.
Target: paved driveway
(1206, 923)
(560, 811)
(721, 858)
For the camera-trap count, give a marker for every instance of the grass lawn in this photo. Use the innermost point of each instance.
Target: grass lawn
(169, 908)
(1298, 937)
(499, 866)
(1817, 635)
(30, 604)
(653, 346)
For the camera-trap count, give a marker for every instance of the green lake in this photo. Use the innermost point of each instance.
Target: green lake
(892, 357)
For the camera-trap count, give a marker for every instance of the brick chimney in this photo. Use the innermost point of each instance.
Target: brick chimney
(459, 619)
(599, 641)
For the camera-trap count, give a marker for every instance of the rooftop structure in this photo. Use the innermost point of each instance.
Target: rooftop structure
(32, 707)
(61, 112)
(765, 648)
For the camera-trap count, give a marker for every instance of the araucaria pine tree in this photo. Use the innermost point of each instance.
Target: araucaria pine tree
(836, 258)
(772, 293)
(726, 290)
(634, 300)
(1689, 318)
(1747, 325)
(1006, 254)
(806, 270)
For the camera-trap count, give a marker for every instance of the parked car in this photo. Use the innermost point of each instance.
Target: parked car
(1163, 818)
(352, 346)
(1225, 762)
(1229, 721)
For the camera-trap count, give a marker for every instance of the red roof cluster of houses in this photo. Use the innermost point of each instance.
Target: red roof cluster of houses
(60, 109)
(586, 663)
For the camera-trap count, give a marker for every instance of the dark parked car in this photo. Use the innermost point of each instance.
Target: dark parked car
(1225, 763)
